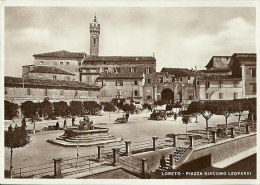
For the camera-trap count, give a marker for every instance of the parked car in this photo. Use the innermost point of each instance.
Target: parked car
(169, 113)
(158, 115)
(120, 120)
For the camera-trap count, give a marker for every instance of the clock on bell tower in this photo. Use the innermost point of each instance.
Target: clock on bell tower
(94, 36)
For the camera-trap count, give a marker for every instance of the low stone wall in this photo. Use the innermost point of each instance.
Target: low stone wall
(224, 149)
(153, 157)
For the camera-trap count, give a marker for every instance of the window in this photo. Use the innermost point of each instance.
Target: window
(180, 79)
(103, 82)
(61, 63)
(28, 92)
(68, 78)
(149, 97)
(236, 84)
(198, 83)
(148, 70)
(220, 95)
(119, 83)
(116, 70)
(207, 84)
(148, 81)
(62, 92)
(188, 77)
(41, 62)
(132, 69)
(39, 76)
(45, 92)
(235, 96)
(253, 87)
(220, 85)
(207, 95)
(67, 63)
(253, 72)
(54, 77)
(135, 82)
(136, 93)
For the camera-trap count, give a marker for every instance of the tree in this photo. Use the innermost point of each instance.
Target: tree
(109, 107)
(224, 108)
(15, 139)
(195, 109)
(60, 108)
(207, 111)
(239, 106)
(28, 109)
(45, 108)
(11, 110)
(252, 108)
(76, 108)
(91, 107)
(186, 120)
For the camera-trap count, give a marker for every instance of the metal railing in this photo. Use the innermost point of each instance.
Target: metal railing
(181, 151)
(45, 169)
(80, 164)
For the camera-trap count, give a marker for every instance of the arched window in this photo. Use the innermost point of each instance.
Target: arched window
(94, 41)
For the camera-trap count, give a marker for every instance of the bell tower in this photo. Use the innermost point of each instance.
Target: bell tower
(94, 29)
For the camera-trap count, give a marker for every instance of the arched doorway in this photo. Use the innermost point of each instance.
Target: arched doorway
(167, 94)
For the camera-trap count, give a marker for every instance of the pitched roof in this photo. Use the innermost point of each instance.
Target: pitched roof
(61, 54)
(217, 77)
(178, 71)
(49, 82)
(48, 69)
(216, 70)
(118, 58)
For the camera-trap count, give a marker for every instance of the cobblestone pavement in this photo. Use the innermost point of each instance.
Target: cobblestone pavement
(138, 128)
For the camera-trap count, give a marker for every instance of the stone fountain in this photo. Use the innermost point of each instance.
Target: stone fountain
(85, 134)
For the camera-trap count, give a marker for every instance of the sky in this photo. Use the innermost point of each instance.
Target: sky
(179, 37)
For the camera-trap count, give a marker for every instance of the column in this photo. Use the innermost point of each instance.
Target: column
(100, 153)
(247, 129)
(191, 141)
(175, 140)
(116, 156)
(155, 147)
(57, 168)
(145, 170)
(232, 132)
(172, 160)
(128, 147)
(214, 136)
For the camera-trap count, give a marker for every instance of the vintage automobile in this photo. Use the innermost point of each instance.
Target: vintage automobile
(169, 113)
(158, 115)
(120, 120)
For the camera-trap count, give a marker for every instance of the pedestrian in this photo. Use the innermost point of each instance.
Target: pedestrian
(162, 162)
(175, 116)
(23, 123)
(127, 116)
(16, 127)
(57, 126)
(73, 120)
(10, 128)
(65, 124)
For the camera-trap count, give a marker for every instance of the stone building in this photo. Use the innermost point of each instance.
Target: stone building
(19, 90)
(176, 84)
(123, 78)
(218, 81)
(243, 65)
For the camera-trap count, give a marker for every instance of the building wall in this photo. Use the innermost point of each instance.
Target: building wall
(250, 81)
(228, 89)
(51, 76)
(70, 64)
(37, 94)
